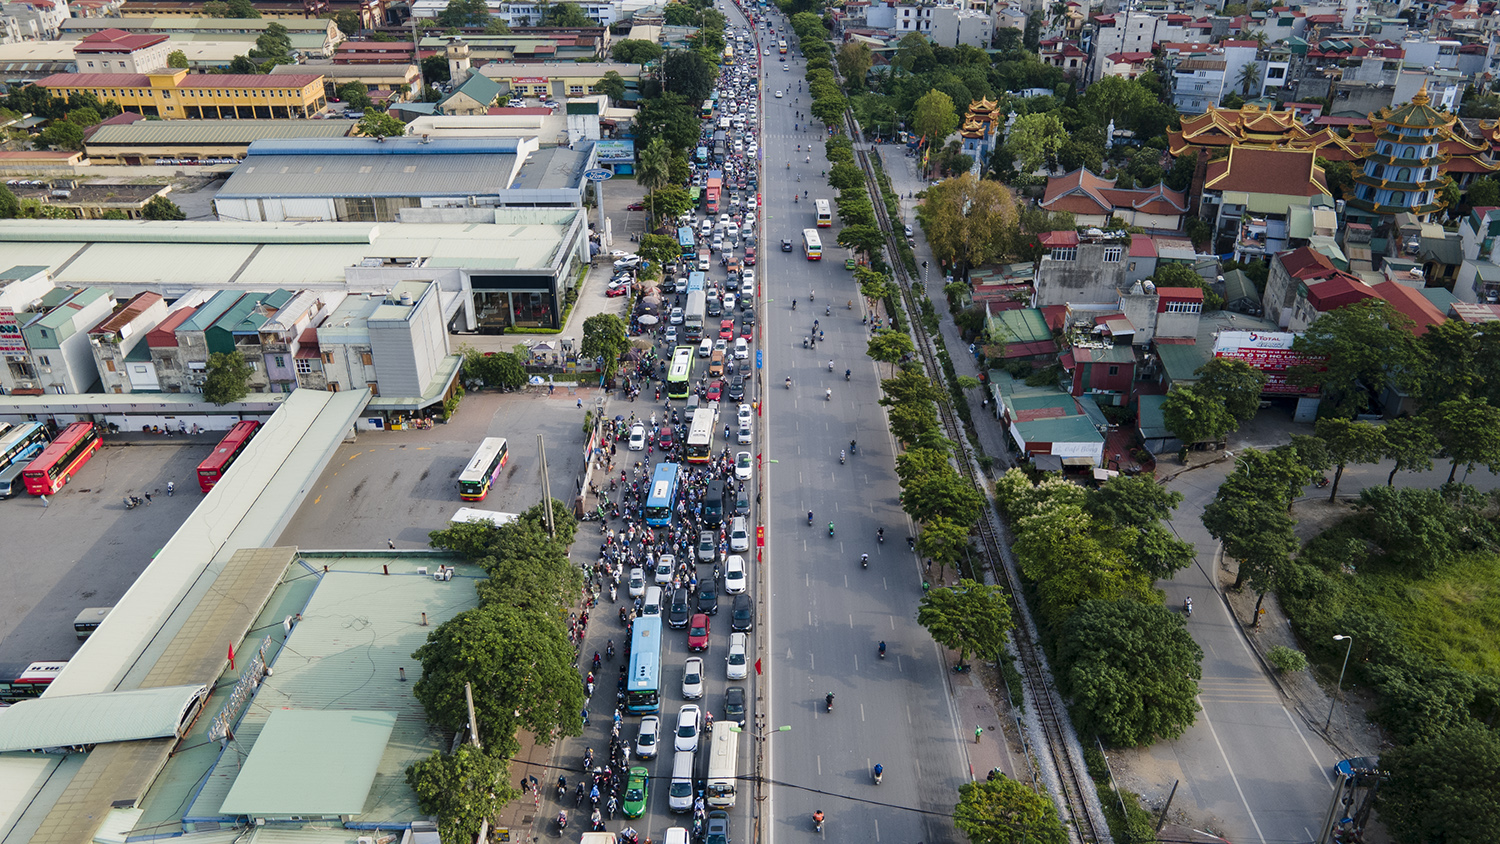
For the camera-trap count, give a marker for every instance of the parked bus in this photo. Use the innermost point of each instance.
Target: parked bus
(89, 620)
(700, 438)
(687, 245)
(30, 682)
(483, 469)
(60, 461)
(643, 683)
(723, 763)
(825, 214)
(680, 374)
(494, 517)
(812, 245)
(225, 453)
(19, 445)
(662, 496)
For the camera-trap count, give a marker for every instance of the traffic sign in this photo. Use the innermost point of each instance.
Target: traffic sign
(759, 360)
(598, 175)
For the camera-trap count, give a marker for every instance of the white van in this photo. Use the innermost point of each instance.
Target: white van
(676, 835)
(651, 604)
(680, 792)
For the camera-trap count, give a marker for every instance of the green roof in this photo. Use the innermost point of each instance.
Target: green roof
(1237, 285)
(311, 763)
(478, 87)
(1150, 420)
(80, 720)
(21, 271)
(1066, 429)
(1026, 325)
(209, 312)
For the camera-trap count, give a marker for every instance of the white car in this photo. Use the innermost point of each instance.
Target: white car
(745, 414)
(689, 719)
(645, 740)
(692, 678)
(638, 438)
(739, 535)
(675, 316)
(737, 666)
(778, 93)
(741, 349)
(742, 436)
(742, 465)
(637, 582)
(747, 289)
(734, 575)
(729, 301)
(663, 569)
(721, 345)
(752, 204)
(628, 261)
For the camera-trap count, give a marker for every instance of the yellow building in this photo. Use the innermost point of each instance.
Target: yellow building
(176, 94)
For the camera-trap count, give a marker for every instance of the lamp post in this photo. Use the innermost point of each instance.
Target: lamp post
(1339, 687)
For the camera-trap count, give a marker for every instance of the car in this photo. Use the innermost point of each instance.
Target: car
(717, 828)
(637, 582)
(726, 331)
(736, 663)
(742, 614)
(734, 575)
(786, 245)
(778, 93)
(742, 435)
(739, 535)
(741, 350)
(721, 345)
(689, 720)
(661, 570)
(637, 440)
(752, 204)
(731, 299)
(636, 206)
(750, 254)
(747, 319)
(674, 317)
(908, 230)
(705, 348)
(637, 792)
(708, 546)
(677, 609)
(617, 291)
(714, 393)
(742, 465)
(692, 678)
(747, 290)
(628, 261)
(670, 335)
(708, 597)
(705, 227)
(698, 630)
(737, 387)
(665, 438)
(744, 414)
(645, 740)
(734, 704)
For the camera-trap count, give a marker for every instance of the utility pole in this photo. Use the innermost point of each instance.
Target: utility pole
(541, 451)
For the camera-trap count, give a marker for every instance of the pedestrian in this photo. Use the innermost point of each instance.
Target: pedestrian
(978, 734)
(148, 498)
(391, 543)
(580, 403)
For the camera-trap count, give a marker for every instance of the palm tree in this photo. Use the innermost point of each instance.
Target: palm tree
(1249, 76)
(654, 171)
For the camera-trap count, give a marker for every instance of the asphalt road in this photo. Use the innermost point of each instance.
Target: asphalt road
(826, 612)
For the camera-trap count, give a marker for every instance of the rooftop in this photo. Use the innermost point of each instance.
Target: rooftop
(365, 167)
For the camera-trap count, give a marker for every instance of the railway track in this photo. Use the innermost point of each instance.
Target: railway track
(1075, 783)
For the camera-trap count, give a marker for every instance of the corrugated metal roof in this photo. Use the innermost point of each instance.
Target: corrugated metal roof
(311, 763)
(370, 176)
(77, 720)
(215, 131)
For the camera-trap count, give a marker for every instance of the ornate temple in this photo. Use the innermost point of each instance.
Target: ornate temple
(979, 129)
(1403, 171)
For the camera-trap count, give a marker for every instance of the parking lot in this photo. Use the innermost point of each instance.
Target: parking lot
(84, 549)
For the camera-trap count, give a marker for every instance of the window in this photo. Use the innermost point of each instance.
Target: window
(43, 360)
(1113, 254)
(280, 362)
(1114, 370)
(328, 357)
(1069, 253)
(304, 366)
(575, 89)
(366, 359)
(333, 386)
(1184, 307)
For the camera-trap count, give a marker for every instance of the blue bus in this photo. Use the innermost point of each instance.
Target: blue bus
(662, 496)
(687, 245)
(643, 683)
(696, 280)
(702, 155)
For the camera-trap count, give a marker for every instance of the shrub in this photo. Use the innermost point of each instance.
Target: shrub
(1287, 660)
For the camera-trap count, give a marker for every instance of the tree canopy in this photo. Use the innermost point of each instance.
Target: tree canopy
(969, 618)
(968, 221)
(1004, 811)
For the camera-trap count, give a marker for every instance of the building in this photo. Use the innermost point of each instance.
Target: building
(314, 37)
(953, 25)
(118, 51)
(474, 95)
(175, 95)
(114, 339)
(387, 78)
(1094, 201)
(394, 345)
(61, 360)
(371, 13)
(92, 200)
(979, 131)
(559, 81)
(1091, 269)
(1049, 427)
(1263, 184)
(1403, 173)
(173, 142)
(39, 18)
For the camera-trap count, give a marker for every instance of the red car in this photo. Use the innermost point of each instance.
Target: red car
(664, 439)
(715, 390)
(749, 256)
(617, 291)
(726, 329)
(698, 632)
(635, 206)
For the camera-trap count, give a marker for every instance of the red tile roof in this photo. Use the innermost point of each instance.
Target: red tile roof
(1306, 263)
(1413, 304)
(1056, 239)
(1142, 246)
(1338, 291)
(127, 312)
(1282, 172)
(117, 41)
(1082, 192)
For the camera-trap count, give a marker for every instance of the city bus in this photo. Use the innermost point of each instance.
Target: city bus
(29, 682)
(702, 155)
(728, 56)
(18, 446)
(700, 438)
(825, 215)
(723, 763)
(706, 111)
(58, 462)
(465, 515)
(643, 683)
(483, 469)
(687, 245)
(89, 620)
(225, 453)
(680, 374)
(692, 314)
(695, 194)
(812, 245)
(663, 495)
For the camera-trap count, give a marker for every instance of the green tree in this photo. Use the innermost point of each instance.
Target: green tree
(671, 201)
(274, 43)
(566, 15)
(934, 117)
(1196, 416)
(356, 95)
(1063, 551)
(669, 117)
(830, 109)
(1350, 442)
(604, 338)
(530, 569)
(969, 618)
(520, 664)
(1035, 140)
(161, 208)
(228, 378)
(63, 135)
(1236, 383)
(845, 176)
(471, 540)
(243, 65)
(463, 13)
(654, 168)
(659, 249)
(1483, 192)
(687, 73)
(1364, 347)
(1131, 670)
(177, 59)
(854, 59)
(378, 124)
(1003, 811)
(242, 9)
(1340, 177)
(1031, 36)
(10, 207)
(636, 51)
(1469, 431)
(947, 494)
(913, 425)
(1442, 788)
(889, 346)
(968, 221)
(1409, 442)
(613, 86)
(348, 22)
(462, 790)
(866, 239)
(1115, 98)
(943, 541)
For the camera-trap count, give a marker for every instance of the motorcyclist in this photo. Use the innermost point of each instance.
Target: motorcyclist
(851, 447)
(879, 771)
(882, 650)
(789, 382)
(880, 534)
(828, 700)
(841, 456)
(1187, 606)
(828, 394)
(818, 815)
(830, 364)
(809, 518)
(864, 560)
(830, 528)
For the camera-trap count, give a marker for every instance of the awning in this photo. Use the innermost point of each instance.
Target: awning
(85, 720)
(1078, 461)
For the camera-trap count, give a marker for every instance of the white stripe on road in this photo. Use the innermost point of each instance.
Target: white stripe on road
(1228, 766)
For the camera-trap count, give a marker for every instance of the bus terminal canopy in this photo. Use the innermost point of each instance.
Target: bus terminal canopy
(86, 720)
(311, 764)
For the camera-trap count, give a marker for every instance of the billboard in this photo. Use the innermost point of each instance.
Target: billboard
(11, 341)
(615, 152)
(1233, 340)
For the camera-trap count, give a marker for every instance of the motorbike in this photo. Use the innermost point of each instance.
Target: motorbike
(809, 518)
(171, 487)
(817, 823)
(852, 448)
(131, 502)
(830, 366)
(880, 536)
(830, 528)
(1320, 482)
(788, 383)
(562, 821)
(828, 702)
(841, 457)
(864, 561)
(846, 374)
(1187, 607)
(828, 394)
(878, 772)
(882, 650)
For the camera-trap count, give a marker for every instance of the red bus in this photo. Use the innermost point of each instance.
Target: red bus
(225, 453)
(29, 683)
(711, 195)
(58, 462)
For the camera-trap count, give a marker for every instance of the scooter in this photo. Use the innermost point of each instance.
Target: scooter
(864, 561)
(880, 536)
(1187, 607)
(841, 458)
(828, 702)
(882, 650)
(830, 528)
(878, 772)
(562, 821)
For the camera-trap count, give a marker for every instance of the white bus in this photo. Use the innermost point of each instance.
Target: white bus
(723, 763)
(812, 244)
(494, 517)
(824, 213)
(700, 438)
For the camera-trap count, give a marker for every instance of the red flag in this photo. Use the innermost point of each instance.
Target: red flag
(231, 657)
(757, 667)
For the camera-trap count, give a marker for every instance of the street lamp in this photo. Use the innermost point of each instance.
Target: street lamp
(1339, 687)
(736, 728)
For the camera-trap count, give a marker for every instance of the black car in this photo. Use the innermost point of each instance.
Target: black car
(677, 614)
(742, 617)
(734, 704)
(737, 388)
(786, 245)
(708, 597)
(718, 827)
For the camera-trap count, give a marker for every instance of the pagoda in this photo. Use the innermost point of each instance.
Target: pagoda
(978, 131)
(1403, 171)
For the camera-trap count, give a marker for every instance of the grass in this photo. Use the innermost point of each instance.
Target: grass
(1451, 616)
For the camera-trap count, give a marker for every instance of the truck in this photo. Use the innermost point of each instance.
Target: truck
(723, 763)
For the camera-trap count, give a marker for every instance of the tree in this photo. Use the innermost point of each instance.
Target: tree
(933, 116)
(654, 169)
(1131, 670)
(1035, 140)
(520, 664)
(378, 124)
(969, 617)
(161, 208)
(687, 73)
(1115, 98)
(866, 239)
(889, 345)
(612, 85)
(228, 378)
(273, 43)
(530, 569)
(968, 221)
(947, 494)
(9, 205)
(845, 176)
(1364, 346)
(1350, 442)
(1003, 811)
(243, 64)
(604, 338)
(242, 9)
(462, 790)
(1340, 178)
(830, 109)
(1235, 383)
(1071, 560)
(348, 22)
(1469, 431)
(1410, 443)
(669, 117)
(463, 13)
(1442, 788)
(670, 201)
(63, 135)
(854, 59)
(636, 51)
(566, 15)
(1031, 36)
(943, 540)
(177, 59)
(659, 248)
(1483, 192)
(1196, 416)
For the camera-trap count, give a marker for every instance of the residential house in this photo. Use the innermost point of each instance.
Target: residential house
(1094, 201)
(1263, 183)
(117, 51)
(58, 341)
(115, 338)
(395, 345)
(1050, 427)
(1127, 65)
(1478, 279)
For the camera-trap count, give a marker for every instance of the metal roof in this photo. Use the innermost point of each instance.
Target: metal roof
(311, 763)
(215, 131)
(81, 720)
(344, 175)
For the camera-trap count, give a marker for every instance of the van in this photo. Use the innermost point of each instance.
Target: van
(713, 504)
(676, 835)
(739, 534)
(651, 605)
(680, 792)
(10, 479)
(705, 260)
(705, 348)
